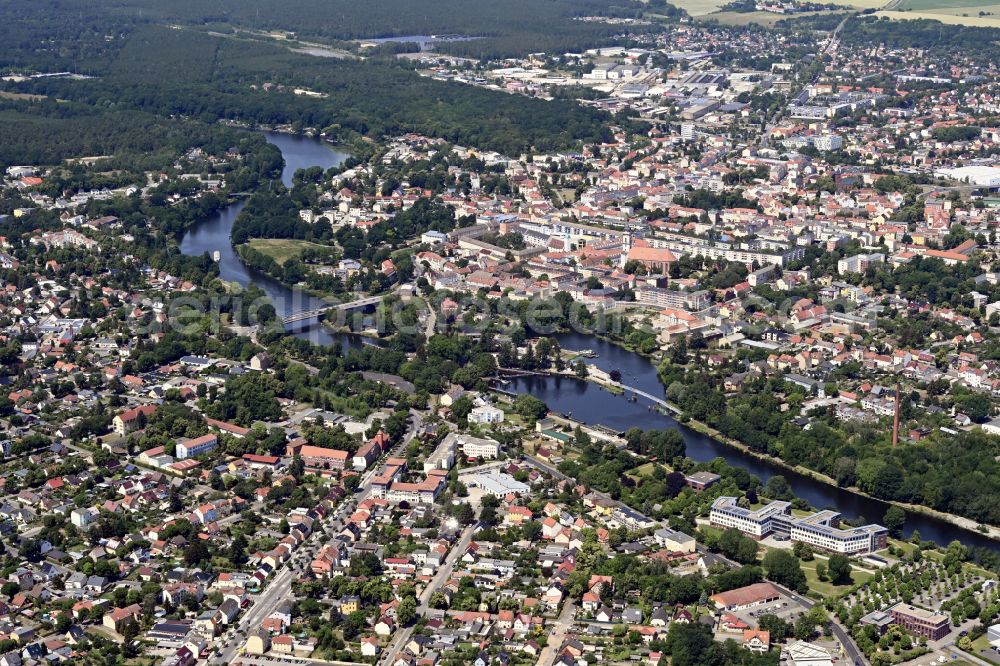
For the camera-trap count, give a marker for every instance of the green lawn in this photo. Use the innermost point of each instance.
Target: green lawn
(283, 249)
(706, 529)
(826, 588)
(983, 643)
(646, 470)
(907, 547)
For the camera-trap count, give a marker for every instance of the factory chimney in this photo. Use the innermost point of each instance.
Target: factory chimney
(895, 419)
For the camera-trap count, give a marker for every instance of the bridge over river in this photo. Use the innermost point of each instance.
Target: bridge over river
(315, 315)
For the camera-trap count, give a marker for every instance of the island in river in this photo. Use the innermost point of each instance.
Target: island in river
(569, 394)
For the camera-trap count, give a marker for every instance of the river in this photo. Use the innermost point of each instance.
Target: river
(212, 234)
(585, 400)
(589, 402)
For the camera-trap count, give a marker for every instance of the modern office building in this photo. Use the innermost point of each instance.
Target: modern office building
(757, 523)
(820, 530)
(933, 626)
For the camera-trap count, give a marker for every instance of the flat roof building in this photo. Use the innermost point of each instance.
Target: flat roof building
(746, 597)
(933, 626)
(821, 529)
(497, 484)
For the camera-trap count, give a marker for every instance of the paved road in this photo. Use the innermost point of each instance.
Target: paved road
(555, 473)
(558, 635)
(264, 603)
(290, 660)
(279, 588)
(431, 325)
(854, 655)
(439, 579)
(765, 136)
(845, 639)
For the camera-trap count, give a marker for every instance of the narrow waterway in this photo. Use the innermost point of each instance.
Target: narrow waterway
(590, 403)
(586, 401)
(212, 234)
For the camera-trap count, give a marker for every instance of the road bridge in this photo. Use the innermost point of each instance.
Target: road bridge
(319, 313)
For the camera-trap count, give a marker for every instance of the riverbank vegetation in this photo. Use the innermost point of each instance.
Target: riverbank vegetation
(950, 473)
(47, 132)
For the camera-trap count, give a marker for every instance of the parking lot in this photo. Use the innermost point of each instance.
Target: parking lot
(785, 608)
(280, 660)
(937, 657)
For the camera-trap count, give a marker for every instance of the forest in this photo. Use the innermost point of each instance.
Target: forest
(955, 474)
(933, 36)
(45, 132)
(503, 27)
(191, 74)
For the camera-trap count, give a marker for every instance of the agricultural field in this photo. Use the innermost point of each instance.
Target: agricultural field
(942, 6)
(700, 7)
(766, 19)
(862, 4)
(976, 13)
(971, 20)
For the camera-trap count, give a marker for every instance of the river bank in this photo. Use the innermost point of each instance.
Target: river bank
(212, 234)
(301, 286)
(992, 532)
(707, 430)
(567, 393)
(958, 521)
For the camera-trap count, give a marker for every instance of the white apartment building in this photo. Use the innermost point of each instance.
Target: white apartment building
(486, 414)
(859, 263)
(475, 447)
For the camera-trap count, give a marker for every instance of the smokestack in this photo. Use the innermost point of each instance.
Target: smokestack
(895, 419)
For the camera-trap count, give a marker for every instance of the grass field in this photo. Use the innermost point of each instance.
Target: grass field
(280, 249)
(699, 7)
(646, 470)
(826, 588)
(983, 643)
(766, 19)
(971, 21)
(20, 96)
